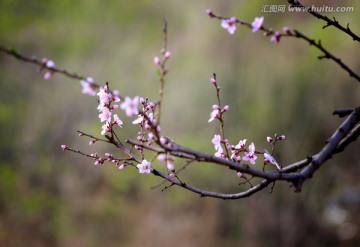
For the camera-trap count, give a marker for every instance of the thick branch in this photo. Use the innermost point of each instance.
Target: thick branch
(334, 144)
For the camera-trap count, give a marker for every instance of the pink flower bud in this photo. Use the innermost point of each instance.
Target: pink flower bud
(269, 139)
(170, 166)
(122, 166)
(50, 64)
(215, 107)
(167, 54)
(226, 108)
(282, 137)
(157, 60)
(158, 128)
(151, 136)
(209, 12)
(213, 80)
(163, 140)
(99, 161)
(64, 147)
(276, 37)
(47, 75)
(152, 105)
(286, 30)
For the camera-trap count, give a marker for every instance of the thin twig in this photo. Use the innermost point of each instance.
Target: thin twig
(329, 22)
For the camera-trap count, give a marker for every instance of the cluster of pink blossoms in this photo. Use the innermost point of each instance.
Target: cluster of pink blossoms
(217, 111)
(230, 25)
(222, 146)
(145, 120)
(249, 153)
(106, 98)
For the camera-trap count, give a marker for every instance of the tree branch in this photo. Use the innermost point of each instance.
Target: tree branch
(328, 21)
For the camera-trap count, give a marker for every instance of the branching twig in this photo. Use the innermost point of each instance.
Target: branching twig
(327, 54)
(328, 21)
(12, 52)
(295, 34)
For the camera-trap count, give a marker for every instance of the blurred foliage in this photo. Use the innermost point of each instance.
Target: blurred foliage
(52, 198)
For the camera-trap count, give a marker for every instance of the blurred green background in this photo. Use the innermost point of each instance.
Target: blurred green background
(54, 198)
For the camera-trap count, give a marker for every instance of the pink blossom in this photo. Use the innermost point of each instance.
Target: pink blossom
(216, 141)
(168, 159)
(268, 158)
(115, 96)
(113, 107)
(257, 23)
(122, 166)
(105, 128)
(158, 128)
(161, 157)
(63, 147)
(152, 105)
(148, 122)
(144, 167)
(139, 120)
(163, 140)
(157, 60)
(105, 115)
(220, 152)
(241, 144)
(209, 12)
(130, 106)
(239, 174)
(117, 120)
(104, 96)
(276, 37)
(48, 75)
(280, 138)
(269, 139)
(151, 136)
(88, 86)
(214, 114)
(167, 55)
(99, 161)
(229, 24)
(215, 107)
(250, 155)
(235, 156)
(286, 30)
(226, 108)
(50, 64)
(170, 166)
